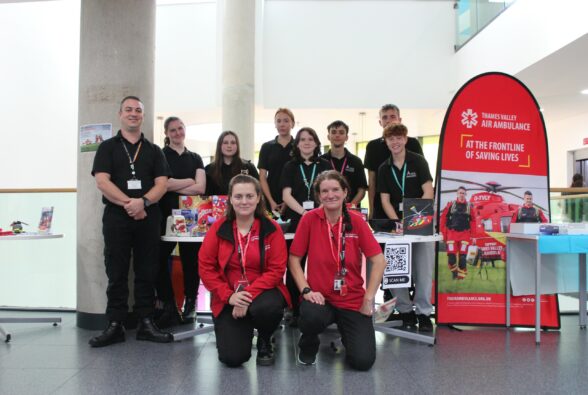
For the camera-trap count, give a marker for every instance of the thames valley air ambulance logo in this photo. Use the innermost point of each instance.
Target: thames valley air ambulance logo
(469, 118)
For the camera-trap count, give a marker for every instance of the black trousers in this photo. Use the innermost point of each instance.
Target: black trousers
(234, 337)
(189, 258)
(357, 332)
(123, 236)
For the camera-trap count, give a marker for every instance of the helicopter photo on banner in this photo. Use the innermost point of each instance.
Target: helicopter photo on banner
(492, 156)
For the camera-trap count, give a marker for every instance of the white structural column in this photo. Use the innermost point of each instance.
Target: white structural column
(117, 52)
(238, 78)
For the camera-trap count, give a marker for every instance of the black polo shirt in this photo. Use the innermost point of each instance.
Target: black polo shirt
(292, 177)
(272, 158)
(182, 166)
(354, 171)
(417, 173)
(112, 158)
(212, 188)
(376, 153)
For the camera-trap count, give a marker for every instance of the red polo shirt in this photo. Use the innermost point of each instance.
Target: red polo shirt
(313, 237)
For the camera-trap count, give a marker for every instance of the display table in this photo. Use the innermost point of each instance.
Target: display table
(205, 324)
(389, 326)
(523, 247)
(20, 320)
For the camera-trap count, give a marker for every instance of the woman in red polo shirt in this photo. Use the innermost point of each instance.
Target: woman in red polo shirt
(242, 264)
(335, 240)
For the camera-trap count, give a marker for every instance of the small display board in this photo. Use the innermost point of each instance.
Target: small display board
(417, 216)
(398, 270)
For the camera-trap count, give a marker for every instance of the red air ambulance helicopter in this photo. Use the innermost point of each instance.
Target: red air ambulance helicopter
(491, 217)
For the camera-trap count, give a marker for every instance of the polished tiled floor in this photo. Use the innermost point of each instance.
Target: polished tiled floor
(42, 359)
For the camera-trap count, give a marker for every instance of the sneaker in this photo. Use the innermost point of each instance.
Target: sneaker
(409, 320)
(425, 324)
(265, 352)
(307, 359)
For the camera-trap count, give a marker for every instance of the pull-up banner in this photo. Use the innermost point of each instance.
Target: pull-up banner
(493, 148)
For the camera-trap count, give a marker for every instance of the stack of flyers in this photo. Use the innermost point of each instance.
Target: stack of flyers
(384, 310)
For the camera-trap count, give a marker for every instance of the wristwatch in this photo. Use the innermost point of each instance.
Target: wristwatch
(146, 202)
(306, 290)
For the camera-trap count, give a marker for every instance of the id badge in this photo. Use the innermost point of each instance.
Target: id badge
(308, 205)
(339, 282)
(133, 184)
(343, 290)
(241, 285)
(400, 208)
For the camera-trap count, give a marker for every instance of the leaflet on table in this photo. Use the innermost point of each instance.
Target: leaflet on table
(196, 215)
(46, 220)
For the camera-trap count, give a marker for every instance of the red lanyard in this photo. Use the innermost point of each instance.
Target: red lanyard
(243, 251)
(331, 236)
(342, 167)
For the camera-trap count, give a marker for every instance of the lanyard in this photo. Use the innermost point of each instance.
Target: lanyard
(243, 251)
(132, 161)
(308, 184)
(339, 256)
(342, 167)
(403, 177)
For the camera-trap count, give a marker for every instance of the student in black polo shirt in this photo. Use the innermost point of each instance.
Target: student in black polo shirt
(345, 162)
(227, 164)
(273, 156)
(377, 152)
(299, 174)
(187, 178)
(406, 175)
(131, 172)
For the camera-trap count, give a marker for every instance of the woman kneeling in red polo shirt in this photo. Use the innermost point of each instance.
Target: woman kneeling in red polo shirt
(333, 291)
(242, 264)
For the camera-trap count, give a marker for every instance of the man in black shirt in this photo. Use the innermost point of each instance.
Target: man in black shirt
(406, 175)
(132, 174)
(377, 152)
(345, 162)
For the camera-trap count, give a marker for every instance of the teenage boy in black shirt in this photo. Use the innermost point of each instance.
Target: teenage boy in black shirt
(349, 165)
(406, 175)
(377, 152)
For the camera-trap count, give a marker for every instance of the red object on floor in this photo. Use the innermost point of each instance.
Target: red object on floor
(177, 278)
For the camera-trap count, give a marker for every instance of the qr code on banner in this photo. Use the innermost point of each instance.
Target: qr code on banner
(397, 259)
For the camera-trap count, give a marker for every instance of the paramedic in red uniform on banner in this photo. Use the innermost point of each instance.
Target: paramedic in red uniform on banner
(528, 213)
(493, 143)
(457, 233)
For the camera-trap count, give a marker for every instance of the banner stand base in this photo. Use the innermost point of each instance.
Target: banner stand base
(389, 329)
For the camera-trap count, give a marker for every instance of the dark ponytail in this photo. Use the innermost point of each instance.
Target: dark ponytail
(166, 123)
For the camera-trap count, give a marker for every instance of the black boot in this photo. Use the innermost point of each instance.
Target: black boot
(115, 333)
(169, 316)
(189, 313)
(265, 351)
(149, 331)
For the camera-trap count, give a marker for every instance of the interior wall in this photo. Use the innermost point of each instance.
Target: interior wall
(575, 129)
(39, 94)
(354, 54)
